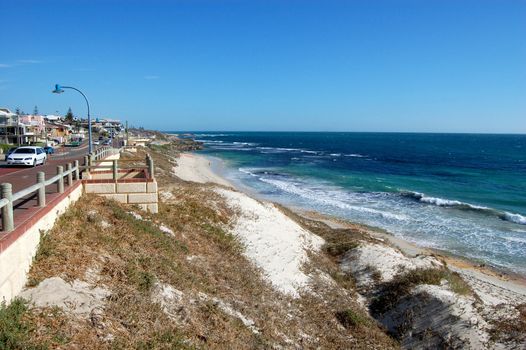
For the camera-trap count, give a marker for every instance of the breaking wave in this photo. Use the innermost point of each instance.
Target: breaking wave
(441, 202)
(516, 218)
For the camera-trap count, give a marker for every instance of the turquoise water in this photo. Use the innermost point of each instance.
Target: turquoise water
(463, 193)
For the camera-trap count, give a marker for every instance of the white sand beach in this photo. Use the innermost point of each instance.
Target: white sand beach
(280, 247)
(195, 168)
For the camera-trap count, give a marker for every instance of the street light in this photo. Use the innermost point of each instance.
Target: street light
(59, 90)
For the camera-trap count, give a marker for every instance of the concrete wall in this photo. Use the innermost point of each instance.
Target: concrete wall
(16, 259)
(116, 156)
(143, 194)
(108, 175)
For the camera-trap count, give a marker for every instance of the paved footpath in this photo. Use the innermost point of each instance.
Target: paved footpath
(21, 178)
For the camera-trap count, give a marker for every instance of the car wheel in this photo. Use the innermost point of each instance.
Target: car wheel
(35, 163)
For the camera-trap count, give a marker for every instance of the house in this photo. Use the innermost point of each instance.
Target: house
(58, 131)
(11, 130)
(34, 128)
(138, 141)
(52, 118)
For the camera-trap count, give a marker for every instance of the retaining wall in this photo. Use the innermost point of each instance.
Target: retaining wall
(140, 192)
(108, 161)
(18, 248)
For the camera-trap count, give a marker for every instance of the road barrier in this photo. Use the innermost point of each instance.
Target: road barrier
(92, 162)
(8, 197)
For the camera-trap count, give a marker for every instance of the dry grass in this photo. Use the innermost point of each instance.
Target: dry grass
(132, 255)
(339, 298)
(511, 330)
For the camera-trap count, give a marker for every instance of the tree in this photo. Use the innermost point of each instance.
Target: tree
(77, 125)
(17, 111)
(35, 111)
(69, 115)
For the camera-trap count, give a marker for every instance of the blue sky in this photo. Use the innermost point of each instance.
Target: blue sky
(433, 66)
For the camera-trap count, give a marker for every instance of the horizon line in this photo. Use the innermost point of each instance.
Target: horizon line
(340, 132)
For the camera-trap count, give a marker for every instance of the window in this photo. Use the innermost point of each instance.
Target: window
(24, 151)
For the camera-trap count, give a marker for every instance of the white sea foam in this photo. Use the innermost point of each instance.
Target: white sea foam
(245, 143)
(354, 155)
(278, 149)
(516, 218)
(325, 197)
(232, 148)
(247, 171)
(210, 141)
(441, 202)
(211, 135)
(515, 239)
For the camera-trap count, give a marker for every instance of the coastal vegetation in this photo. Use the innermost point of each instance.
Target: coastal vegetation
(110, 276)
(147, 261)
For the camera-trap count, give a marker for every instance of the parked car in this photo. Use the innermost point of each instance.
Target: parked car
(73, 144)
(107, 143)
(49, 150)
(96, 142)
(9, 151)
(27, 155)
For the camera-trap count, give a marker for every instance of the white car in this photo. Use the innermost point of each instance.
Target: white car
(27, 155)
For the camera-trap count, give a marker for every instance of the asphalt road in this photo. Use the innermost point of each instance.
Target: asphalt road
(21, 177)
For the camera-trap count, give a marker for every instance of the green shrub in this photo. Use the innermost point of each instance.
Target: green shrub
(14, 331)
(350, 318)
(5, 147)
(337, 249)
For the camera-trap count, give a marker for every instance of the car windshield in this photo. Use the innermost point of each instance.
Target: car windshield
(25, 151)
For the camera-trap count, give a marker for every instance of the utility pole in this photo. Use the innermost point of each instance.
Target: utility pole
(16, 130)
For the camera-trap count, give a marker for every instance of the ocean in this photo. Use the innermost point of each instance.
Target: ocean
(460, 193)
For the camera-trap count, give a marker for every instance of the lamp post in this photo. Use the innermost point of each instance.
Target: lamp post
(59, 90)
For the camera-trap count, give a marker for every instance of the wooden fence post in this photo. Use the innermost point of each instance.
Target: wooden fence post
(115, 170)
(70, 174)
(41, 179)
(77, 174)
(149, 162)
(60, 182)
(7, 210)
